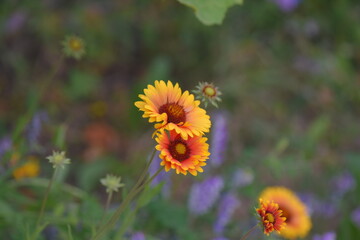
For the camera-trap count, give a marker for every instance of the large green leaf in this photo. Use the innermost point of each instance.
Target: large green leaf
(210, 12)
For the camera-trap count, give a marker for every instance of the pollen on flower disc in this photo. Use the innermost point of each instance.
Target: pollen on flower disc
(176, 113)
(209, 91)
(179, 150)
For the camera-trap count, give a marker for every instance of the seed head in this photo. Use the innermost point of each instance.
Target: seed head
(58, 159)
(112, 183)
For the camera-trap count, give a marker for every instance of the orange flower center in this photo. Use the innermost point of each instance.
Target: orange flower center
(175, 112)
(179, 150)
(270, 217)
(209, 91)
(75, 44)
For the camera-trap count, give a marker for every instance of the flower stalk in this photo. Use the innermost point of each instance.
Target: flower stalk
(248, 232)
(138, 187)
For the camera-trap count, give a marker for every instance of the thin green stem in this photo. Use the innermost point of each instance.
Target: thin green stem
(45, 199)
(106, 206)
(248, 232)
(145, 171)
(108, 201)
(123, 205)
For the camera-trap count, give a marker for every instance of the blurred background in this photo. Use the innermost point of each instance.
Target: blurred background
(289, 72)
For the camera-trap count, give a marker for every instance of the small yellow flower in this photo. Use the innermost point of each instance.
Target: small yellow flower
(207, 92)
(73, 46)
(30, 169)
(58, 159)
(112, 183)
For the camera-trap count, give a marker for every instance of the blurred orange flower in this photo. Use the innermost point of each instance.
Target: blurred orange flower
(30, 168)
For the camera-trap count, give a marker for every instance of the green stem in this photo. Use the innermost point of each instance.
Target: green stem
(123, 205)
(45, 199)
(248, 232)
(106, 206)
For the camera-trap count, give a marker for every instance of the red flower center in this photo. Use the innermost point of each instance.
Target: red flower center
(175, 112)
(179, 150)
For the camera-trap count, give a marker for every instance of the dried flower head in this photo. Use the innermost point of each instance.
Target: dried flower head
(207, 92)
(271, 216)
(58, 159)
(112, 183)
(73, 46)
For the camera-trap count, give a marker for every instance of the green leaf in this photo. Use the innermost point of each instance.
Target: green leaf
(210, 12)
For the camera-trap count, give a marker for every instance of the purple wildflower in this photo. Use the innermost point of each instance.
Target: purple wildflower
(226, 209)
(219, 139)
(355, 217)
(15, 22)
(310, 201)
(50, 233)
(242, 178)
(344, 183)
(34, 127)
(325, 236)
(138, 236)
(5, 145)
(203, 195)
(161, 177)
(287, 5)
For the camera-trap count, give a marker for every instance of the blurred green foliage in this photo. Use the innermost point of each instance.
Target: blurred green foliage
(290, 82)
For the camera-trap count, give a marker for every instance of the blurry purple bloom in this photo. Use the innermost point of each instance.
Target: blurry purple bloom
(34, 127)
(310, 201)
(203, 195)
(15, 22)
(325, 236)
(138, 236)
(307, 65)
(344, 183)
(355, 217)
(287, 5)
(325, 209)
(219, 139)
(5, 145)
(226, 209)
(50, 233)
(161, 177)
(242, 178)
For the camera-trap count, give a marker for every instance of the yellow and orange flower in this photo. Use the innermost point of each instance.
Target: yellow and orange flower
(29, 169)
(271, 216)
(173, 109)
(298, 222)
(182, 155)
